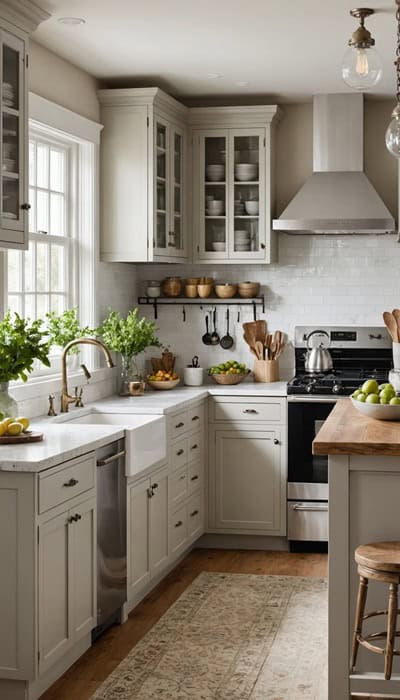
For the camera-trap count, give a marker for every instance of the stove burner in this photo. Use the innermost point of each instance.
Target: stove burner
(337, 382)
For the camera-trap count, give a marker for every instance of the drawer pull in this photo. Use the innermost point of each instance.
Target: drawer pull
(196, 418)
(315, 509)
(179, 523)
(181, 478)
(180, 452)
(250, 410)
(195, 477)
(71, 519)
(71, 482)
(194, 447)
(77, 517)
(179, 425)
(195, 512)
(150, 493)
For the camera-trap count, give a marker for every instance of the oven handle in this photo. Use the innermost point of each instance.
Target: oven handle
(314, 399)
(305, 507)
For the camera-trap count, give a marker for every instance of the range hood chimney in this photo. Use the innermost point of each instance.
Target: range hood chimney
(338, 197)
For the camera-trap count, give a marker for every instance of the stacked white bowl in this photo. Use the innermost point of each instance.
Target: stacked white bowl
(252, 207)
(242, 241)
(215, 207)
(215, 172)
(246, 171)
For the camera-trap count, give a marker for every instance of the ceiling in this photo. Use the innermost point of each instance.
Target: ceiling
(286, 50)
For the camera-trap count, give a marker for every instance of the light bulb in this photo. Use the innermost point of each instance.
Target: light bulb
(361, 68)
(392, 136)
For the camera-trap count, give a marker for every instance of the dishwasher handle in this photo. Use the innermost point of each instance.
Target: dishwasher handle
(112, 458)
(311, 508)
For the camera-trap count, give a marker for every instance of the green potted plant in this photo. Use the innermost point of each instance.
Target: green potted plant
(129, 336)
(62, 328)
(22, 341)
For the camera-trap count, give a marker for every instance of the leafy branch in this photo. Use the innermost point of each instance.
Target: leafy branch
(128, 336)
(65, 327)
(21, 343)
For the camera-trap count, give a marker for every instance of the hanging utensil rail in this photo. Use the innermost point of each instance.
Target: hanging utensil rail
(209, 301)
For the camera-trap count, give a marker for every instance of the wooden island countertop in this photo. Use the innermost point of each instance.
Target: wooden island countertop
(348, 432)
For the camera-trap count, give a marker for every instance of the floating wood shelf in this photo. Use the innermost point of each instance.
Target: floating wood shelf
(198, 301)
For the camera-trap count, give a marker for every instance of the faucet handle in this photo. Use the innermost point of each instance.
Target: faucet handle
(78, 397)
(51, 411)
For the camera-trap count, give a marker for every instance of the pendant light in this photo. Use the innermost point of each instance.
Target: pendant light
(393, 131)
(361, 65)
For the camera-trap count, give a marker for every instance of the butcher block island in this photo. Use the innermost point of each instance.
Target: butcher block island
(364, 507)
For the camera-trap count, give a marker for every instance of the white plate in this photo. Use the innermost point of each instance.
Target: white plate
(379, 411)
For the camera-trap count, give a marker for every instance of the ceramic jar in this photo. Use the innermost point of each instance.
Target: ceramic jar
(172, 286)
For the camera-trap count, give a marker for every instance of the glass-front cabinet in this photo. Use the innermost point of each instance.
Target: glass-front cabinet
(13, 105)
(168, 237)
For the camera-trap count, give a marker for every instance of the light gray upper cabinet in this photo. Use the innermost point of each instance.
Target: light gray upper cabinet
(143, 177)
(17, 21)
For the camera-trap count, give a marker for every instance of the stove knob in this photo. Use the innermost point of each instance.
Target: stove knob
(310, 388)
(337, 389)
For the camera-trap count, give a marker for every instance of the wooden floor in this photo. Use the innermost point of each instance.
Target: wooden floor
(82, 679)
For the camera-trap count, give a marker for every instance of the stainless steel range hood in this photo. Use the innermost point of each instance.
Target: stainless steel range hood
(338, 197)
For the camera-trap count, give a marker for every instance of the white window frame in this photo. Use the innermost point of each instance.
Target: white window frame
(59, 121)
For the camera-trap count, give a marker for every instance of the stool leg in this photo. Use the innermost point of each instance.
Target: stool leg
(391, 630)
(361, 598)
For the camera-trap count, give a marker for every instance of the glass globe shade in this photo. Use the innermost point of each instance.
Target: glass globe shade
(392, 136)
(361, 68)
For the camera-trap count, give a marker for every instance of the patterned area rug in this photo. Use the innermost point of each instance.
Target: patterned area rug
(232, 637)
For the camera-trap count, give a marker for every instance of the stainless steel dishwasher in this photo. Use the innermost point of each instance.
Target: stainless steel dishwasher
(111, 535)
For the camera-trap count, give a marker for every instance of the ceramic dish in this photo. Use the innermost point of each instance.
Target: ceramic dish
(379, 411)
(218, 247)
(247, 290)
(163, 386)
(251, 208)
(225, 291)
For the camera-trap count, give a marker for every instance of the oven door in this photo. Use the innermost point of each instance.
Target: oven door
(308, 521)
(307, 473)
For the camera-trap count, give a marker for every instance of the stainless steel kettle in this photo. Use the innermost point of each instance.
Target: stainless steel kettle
(318, 359)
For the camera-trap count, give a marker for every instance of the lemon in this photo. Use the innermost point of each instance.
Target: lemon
(15, 428)
(6, 422)
(24, 422)
(3, 429)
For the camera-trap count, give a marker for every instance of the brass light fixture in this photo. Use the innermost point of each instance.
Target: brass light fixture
(393, 131)
(361, 65)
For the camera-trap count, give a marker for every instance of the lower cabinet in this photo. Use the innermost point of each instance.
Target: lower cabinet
(247, 480)
(148, 550)
(67, 580)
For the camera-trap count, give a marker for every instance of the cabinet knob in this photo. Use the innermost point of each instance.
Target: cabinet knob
(179, 453)
(181, 478)
(276, 441)
(71, 519)
(25, 206)
(179, 523)
(262, 246)
(154, 487)
(179, 425)
(77, 517)
(194, 447)
(71, 482)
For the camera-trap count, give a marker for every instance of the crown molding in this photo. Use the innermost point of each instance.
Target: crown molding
(24, 14)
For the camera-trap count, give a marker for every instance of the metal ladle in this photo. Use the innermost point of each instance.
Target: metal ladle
(227, 341)
(207, 335)
(214, 334)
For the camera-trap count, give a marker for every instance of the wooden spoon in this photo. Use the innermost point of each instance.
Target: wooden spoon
(250, 347)
(391, 325)
(396, 314)
(259, 348)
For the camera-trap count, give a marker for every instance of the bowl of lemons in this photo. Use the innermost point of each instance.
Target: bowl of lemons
(377, 401)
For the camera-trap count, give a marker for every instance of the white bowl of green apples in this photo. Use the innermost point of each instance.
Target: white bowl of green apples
(377, 401)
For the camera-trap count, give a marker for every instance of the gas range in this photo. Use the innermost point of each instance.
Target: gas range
(357, 353)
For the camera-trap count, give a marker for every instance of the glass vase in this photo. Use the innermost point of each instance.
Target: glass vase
(131, 377)
(8, 405)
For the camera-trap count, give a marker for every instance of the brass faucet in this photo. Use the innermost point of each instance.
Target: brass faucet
(66, 399)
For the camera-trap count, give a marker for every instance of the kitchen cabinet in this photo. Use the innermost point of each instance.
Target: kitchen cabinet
(247, 466)
(143, 177)
(147, 543)
(15, 28)
(233, 195)
(67, 581)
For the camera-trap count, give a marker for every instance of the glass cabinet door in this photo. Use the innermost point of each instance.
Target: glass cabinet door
(161, 168)
(176, 241)
(247, 232)
(213, 195)
(12, 90)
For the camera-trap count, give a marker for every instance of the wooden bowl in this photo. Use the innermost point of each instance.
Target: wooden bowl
(191, 291)
(229, 378)
(204, 290)
(163, 386)
(225, 291)
(248, 290)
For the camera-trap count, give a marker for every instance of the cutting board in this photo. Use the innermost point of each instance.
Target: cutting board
(29, 436)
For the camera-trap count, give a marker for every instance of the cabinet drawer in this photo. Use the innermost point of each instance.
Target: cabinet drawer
(179, 453)
(271, 411)
(195, 418)
(195, 445)
(179, 529)
(66, 483)
(195, 476)
(195, 515)
(178, 486)
(179, 424)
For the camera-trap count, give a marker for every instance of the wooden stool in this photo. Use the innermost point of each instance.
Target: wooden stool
(379, 561)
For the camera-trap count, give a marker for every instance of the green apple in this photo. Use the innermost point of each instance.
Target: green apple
(372, 398)
(386, 394)
(383, 387)
(395, 401)
(356, 393)
(370, 386)
(383, 398)
(361, 397)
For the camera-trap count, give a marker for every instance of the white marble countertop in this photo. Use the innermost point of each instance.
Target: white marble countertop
(61, 442)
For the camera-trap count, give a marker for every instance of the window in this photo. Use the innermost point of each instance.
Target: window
(44, 278)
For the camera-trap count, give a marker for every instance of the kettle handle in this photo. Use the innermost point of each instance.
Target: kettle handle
(313, 333)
